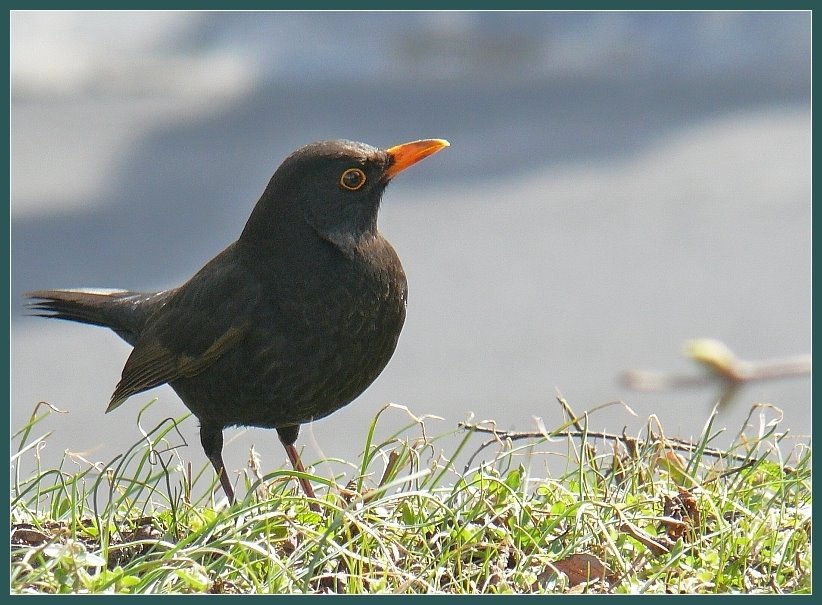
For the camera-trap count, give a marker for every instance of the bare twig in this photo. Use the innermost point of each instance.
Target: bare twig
(721, 366)
(671, 442)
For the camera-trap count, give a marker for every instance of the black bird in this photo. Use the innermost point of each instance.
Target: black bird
(286, 325)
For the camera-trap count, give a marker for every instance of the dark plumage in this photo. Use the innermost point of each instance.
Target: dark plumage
(286, 325)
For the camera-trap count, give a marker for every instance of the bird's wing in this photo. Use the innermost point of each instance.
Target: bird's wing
(153, 363)
(195, 326)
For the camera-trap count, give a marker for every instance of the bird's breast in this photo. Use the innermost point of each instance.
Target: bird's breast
(352, 308)
(321, 342)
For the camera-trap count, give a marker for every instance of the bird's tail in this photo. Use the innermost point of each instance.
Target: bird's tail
(119, 310)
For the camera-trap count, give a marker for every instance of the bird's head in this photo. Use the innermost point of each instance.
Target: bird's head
(334, 187)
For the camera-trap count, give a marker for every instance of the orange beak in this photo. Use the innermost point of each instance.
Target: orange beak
(408, 154)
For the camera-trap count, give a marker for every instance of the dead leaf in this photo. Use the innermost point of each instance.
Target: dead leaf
(28, 536)
(582, 567)
(637, 534)
(682, 514)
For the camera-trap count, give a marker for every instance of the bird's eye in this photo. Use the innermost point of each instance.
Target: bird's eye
(352, 179)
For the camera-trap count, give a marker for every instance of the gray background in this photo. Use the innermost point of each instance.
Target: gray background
(617, 183)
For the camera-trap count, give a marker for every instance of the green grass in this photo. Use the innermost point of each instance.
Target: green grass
(622, 515)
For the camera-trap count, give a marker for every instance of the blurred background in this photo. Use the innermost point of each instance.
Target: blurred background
(617, 183)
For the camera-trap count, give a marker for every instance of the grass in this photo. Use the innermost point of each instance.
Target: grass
(624, 514)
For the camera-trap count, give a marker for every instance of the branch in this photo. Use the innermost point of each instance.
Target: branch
(631, 442)
(722, 366)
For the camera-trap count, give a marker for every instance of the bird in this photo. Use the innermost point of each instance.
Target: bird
(289, 323)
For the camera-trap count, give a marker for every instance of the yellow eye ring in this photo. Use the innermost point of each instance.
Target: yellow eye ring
(352, 179)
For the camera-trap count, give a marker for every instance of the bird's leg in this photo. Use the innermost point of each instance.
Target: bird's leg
(294, 456)
(288, 435)
(212, 440)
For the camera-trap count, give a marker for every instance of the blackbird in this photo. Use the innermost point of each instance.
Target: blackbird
(286, 325)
